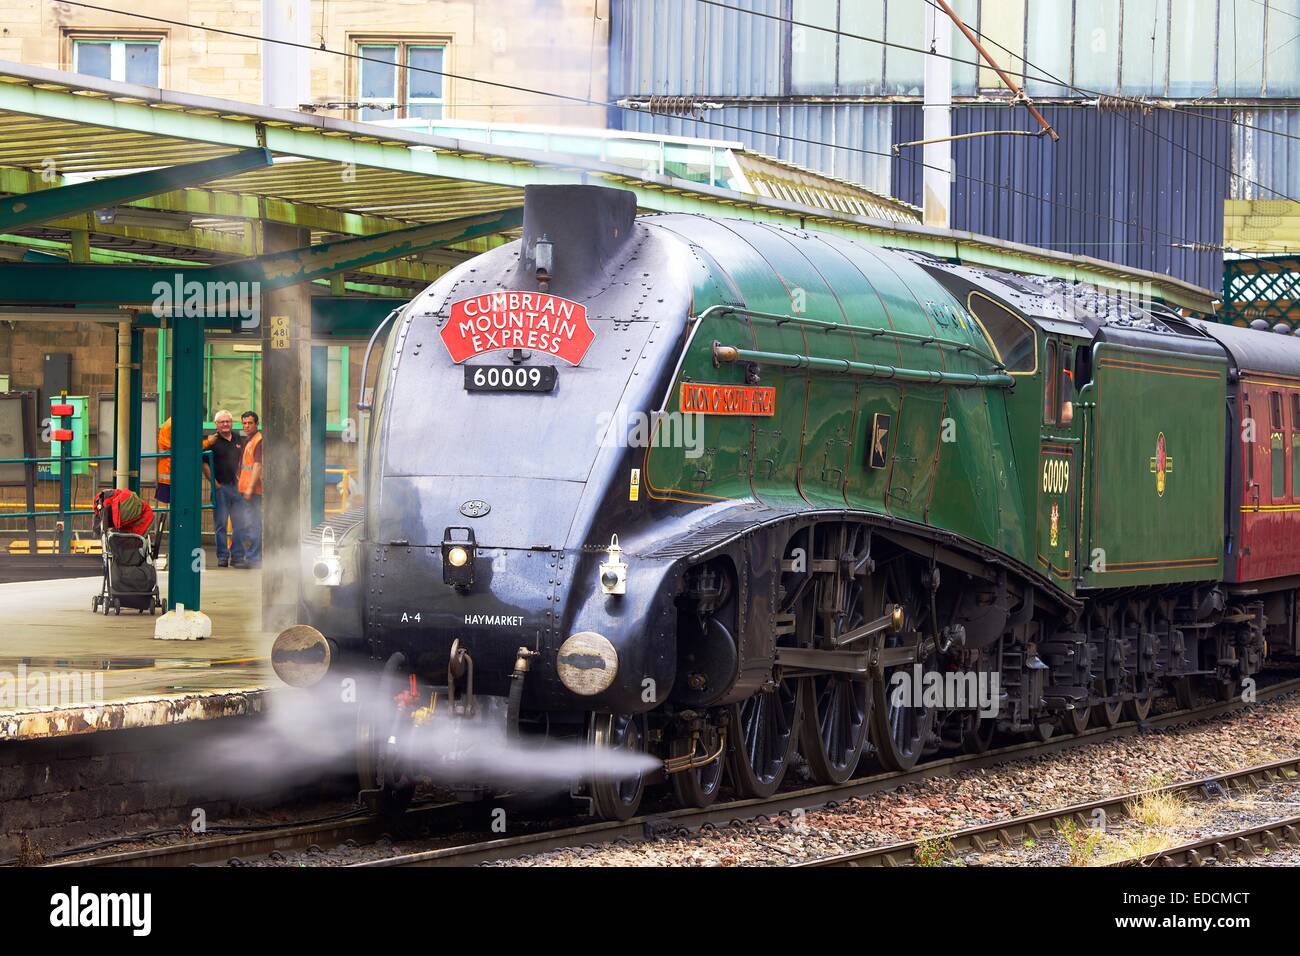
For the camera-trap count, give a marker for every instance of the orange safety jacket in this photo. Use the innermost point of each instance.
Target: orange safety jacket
(165, 444)
(246, 467)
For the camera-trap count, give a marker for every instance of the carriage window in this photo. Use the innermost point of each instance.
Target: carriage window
(1277, 449)
(1295, 440)
(1011, 336)
(1049, 386)
(1250, 448)
(1295, 459)
(1278, 462)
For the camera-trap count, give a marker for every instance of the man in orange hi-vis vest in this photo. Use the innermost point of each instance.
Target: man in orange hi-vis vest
(250, 490)
(163, 486)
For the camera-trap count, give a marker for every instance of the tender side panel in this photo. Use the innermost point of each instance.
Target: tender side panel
(1155, 484)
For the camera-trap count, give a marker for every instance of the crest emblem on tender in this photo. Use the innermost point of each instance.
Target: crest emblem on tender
(1056, 523)
(1161, 464)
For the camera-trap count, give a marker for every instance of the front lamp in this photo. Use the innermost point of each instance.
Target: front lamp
(458, 557)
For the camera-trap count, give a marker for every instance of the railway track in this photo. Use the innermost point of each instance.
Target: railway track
(445, 819)
(1015, 831)
(1253, 841)
(803, 799)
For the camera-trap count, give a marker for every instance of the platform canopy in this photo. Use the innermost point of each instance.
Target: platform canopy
(344, 180)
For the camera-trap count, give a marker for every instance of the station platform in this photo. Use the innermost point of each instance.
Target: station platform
(66, 670)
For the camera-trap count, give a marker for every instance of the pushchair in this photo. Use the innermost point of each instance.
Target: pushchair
(124, 522)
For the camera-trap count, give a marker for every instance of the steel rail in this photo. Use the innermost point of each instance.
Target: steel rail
(224, 848)
(1036, 826)
(1268, 838)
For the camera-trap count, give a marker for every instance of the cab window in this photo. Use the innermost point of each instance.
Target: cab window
(1050, 385)
(1065, 392)
(1011, 336)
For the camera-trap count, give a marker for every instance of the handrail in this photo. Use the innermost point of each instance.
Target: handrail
(363, 406)
(873, 331)
(74, 459)
(729, 353)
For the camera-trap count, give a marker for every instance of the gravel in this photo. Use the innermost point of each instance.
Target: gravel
(1127, 839)
(1264, 733)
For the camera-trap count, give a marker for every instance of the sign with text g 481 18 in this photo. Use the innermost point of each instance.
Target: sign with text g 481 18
(704, 399)
(537, 321)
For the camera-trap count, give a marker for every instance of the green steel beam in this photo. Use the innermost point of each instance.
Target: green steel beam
(32, 208)
(319, 411)
(331, 315)
(43, 283)
(350, 316)
(60, 252)
(320, 261)
(137, 405)
(184, 530)
(219, 204)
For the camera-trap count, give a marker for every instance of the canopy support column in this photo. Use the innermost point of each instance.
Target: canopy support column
(185, 528)
(286, 424)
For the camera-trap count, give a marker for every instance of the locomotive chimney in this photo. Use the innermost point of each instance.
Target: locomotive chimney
(572, 234)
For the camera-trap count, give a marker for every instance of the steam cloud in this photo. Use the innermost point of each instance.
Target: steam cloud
(308, 734)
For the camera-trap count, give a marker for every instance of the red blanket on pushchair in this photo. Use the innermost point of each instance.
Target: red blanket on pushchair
(122, 510)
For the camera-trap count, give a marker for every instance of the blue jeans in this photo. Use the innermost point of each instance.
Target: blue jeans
(250, 524)
(226, 509)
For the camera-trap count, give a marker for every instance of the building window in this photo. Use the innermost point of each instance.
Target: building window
(127, 60)
(407, 75)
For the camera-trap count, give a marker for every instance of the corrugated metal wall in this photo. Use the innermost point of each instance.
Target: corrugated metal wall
(1178, 48)
(849, 141)
(683, 47)
(1122, 186)
(1266, 149)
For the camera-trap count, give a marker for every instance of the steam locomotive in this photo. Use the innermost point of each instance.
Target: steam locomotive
(745, 497)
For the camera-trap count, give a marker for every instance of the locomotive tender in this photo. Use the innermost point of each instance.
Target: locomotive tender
(862, 467)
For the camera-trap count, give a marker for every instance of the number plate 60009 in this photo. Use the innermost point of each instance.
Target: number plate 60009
(510, 378)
